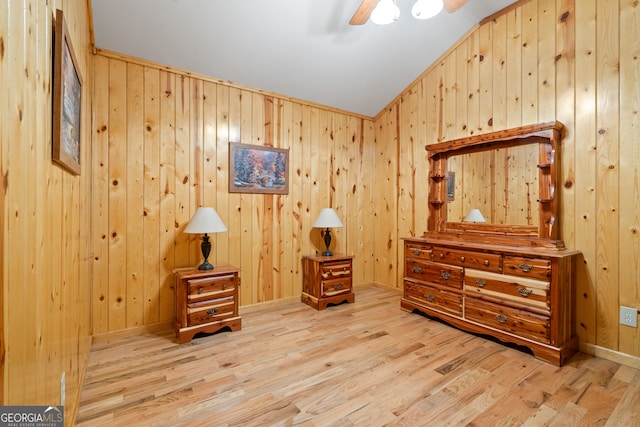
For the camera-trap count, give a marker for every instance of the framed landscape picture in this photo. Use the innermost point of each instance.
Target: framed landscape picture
(67, 100)
(258, 169)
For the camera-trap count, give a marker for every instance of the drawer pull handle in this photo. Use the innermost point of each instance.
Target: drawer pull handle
(417, 270)
(445, 275)
(461, 259)
(481, 283)
(417, 251)
(501, 318)
(212, 311)
(441, 256)
(429, 297)
(486, 262)
(338, 286)
(525, 267)
(224, 287)
(200, 289)
(524, 292)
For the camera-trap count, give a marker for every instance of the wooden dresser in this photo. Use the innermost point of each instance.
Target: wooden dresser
(513, 294)
(206, 301)
(507, 275)
(326, 280)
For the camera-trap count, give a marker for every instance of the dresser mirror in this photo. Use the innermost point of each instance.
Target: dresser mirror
(508, 176)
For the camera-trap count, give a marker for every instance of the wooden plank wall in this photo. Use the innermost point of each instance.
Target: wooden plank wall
(161, 149)
(44, 213)
(575, 61)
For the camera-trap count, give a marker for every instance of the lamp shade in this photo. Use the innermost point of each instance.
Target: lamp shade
(327, 219)
(385, 12)
(425, 9)
(474, 215)
(205, 220)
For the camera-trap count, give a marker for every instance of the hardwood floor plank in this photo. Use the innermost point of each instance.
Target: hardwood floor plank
(366, 363)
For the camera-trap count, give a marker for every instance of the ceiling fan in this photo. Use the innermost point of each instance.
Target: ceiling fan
(362, 14)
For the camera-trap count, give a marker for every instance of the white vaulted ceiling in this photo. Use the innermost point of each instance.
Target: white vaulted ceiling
(303, 49)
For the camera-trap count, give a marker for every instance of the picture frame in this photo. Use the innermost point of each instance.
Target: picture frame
(258, 169)
(67, 100)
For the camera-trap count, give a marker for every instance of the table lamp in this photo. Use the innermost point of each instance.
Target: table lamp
(327, 219)
(204, 221)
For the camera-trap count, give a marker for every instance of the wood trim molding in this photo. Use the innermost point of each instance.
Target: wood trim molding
(608, 354)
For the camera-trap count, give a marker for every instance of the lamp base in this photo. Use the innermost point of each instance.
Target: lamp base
(327, 242)
(205, 266)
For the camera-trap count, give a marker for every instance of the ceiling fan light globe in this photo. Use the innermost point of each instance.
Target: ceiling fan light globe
(385, 12)
(425, 9)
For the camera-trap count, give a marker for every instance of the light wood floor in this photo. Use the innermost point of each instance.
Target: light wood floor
(362, 364)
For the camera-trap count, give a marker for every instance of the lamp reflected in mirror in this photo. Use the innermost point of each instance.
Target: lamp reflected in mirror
(474, 216)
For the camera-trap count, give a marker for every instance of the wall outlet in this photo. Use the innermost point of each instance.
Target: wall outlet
(63, 388)
(629, 316)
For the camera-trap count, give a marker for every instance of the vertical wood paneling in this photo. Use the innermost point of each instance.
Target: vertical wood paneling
(134, 196)
(607, 167)
(629, 245)
(44, 220)
(4, 165)
(168, 221)
(585, 185)
(100, 201)
(151, 196)
(529, 43)
(117, 195)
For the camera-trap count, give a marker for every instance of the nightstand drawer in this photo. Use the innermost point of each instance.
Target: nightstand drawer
(534, 293)
(463, 258)
(447, 275)
(429, 296)
(210, 311)
(528, 267)
(210, 288)
(333, 270)
(517, 322)
(336, 286)
(417, 250)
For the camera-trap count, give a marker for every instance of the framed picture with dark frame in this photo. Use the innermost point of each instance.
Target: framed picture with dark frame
(258, 169)
(67, 100)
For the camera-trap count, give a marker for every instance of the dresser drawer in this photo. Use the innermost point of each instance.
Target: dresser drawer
(471, 259)
(336, 286)
(528, 267)
(210, 288)
(523, 290)
(438, 299)
(210, 311)
(417, 250)
(517, 322)
(447, 275)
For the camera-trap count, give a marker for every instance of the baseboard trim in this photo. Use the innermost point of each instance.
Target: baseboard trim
(135, 331)
(608, 354)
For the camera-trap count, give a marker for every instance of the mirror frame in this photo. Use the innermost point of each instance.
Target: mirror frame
(548, 137)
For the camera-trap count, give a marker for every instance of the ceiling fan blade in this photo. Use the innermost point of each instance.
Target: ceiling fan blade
(364, 11)
(453, 5)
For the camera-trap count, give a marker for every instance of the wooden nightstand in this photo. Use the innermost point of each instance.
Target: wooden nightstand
(326, 280)
(206, 301)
